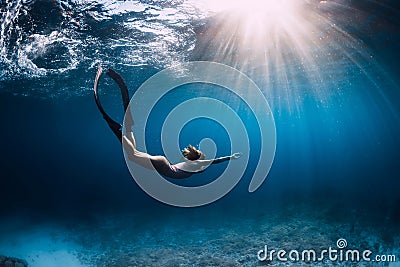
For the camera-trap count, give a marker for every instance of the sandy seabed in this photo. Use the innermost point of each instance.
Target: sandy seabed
(196, 238)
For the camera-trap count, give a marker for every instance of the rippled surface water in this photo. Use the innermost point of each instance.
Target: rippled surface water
(64, 40)
(58, 38)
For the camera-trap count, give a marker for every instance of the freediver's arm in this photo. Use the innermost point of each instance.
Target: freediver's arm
(226, 158)
(200, 165)
(221, 159)
(218, 160)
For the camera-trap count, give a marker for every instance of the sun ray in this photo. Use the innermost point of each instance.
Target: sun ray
(295, 44)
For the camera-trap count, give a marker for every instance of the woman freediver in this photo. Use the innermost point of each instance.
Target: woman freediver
(195, 162)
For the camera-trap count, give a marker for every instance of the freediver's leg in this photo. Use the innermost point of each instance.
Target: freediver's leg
(141, 158)
(128, 123)
(125, 96)
(122, 86)
(114, 126)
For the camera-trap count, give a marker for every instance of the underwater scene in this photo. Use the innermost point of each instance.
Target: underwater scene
(292, 108)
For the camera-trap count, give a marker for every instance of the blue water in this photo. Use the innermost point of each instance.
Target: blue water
(65, 185)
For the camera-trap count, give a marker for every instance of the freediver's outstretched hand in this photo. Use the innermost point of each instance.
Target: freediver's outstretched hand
(236, 155)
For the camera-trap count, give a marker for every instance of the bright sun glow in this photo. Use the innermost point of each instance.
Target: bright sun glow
(221, 5)
(256, 20)
(265, 10)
